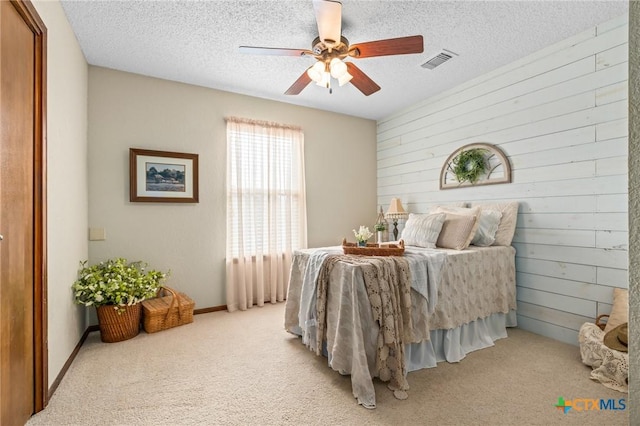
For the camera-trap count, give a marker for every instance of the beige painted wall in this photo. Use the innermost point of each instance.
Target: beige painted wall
(128, 110)
(67, 75)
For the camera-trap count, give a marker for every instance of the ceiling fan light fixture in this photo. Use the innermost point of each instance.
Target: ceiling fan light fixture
(325, 80)
(344, 78)
(338, 68)
(313, 75)
(316, 72)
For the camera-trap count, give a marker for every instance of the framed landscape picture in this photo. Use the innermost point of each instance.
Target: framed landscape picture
(162, 177)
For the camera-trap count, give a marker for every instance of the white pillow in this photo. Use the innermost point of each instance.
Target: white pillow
(422, 230)
(507, 227)
(488, 226)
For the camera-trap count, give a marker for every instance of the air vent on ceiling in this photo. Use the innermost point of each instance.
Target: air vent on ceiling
(439, 59)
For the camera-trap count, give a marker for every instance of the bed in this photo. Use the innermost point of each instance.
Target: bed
(461, 301)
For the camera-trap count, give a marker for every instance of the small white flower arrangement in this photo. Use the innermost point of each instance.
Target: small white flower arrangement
(116, 282)
(363, 234)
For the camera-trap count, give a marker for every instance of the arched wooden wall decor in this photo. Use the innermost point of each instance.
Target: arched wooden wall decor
(497, 168)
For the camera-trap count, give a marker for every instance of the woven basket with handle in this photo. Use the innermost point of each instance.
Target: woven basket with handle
(167, 311)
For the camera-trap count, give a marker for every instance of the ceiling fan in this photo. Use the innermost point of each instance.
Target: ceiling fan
(330, 48)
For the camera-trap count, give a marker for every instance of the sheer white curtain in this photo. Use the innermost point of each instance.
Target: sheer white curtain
(266, 209)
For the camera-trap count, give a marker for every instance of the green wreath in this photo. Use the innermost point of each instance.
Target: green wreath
(469, 165)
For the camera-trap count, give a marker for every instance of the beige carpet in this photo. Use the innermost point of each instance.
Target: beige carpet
(243, 368)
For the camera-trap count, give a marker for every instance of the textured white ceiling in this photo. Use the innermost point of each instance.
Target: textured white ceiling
(197, 42)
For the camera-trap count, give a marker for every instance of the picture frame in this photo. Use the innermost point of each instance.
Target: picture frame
(162, 176)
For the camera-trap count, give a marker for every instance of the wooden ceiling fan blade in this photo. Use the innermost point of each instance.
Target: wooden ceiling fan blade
(254, 50)
(329, 19)
(391, 46)
(361, 80)
(299, 84)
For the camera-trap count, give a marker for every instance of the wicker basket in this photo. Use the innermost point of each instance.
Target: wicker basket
(119, 324)
(161, 313)
(373, 249)
(601, 321)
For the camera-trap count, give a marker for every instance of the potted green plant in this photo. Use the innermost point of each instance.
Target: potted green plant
(116, 287)
(380, 228)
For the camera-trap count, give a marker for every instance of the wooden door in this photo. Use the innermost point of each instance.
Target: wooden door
(22, 326)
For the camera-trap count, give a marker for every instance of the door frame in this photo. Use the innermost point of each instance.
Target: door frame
(41, 394)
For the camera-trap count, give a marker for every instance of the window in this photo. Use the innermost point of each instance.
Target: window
(266, 208)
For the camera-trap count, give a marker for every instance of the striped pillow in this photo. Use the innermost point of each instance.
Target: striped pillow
(422, 230)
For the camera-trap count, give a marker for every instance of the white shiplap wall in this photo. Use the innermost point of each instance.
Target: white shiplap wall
(560, 115)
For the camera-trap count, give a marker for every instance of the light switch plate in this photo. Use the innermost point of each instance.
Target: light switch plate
(97, 234)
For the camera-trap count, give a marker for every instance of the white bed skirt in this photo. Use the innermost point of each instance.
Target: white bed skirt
(453, 345)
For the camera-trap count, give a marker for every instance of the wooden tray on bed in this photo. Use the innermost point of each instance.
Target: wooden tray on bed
(373, 249)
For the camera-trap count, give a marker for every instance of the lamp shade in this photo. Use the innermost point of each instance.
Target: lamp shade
(316, 72)
(325, 80)
(344, 78)
(338, 68)
(395, 208)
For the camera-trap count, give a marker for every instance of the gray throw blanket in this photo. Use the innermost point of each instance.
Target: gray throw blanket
(388, 283)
